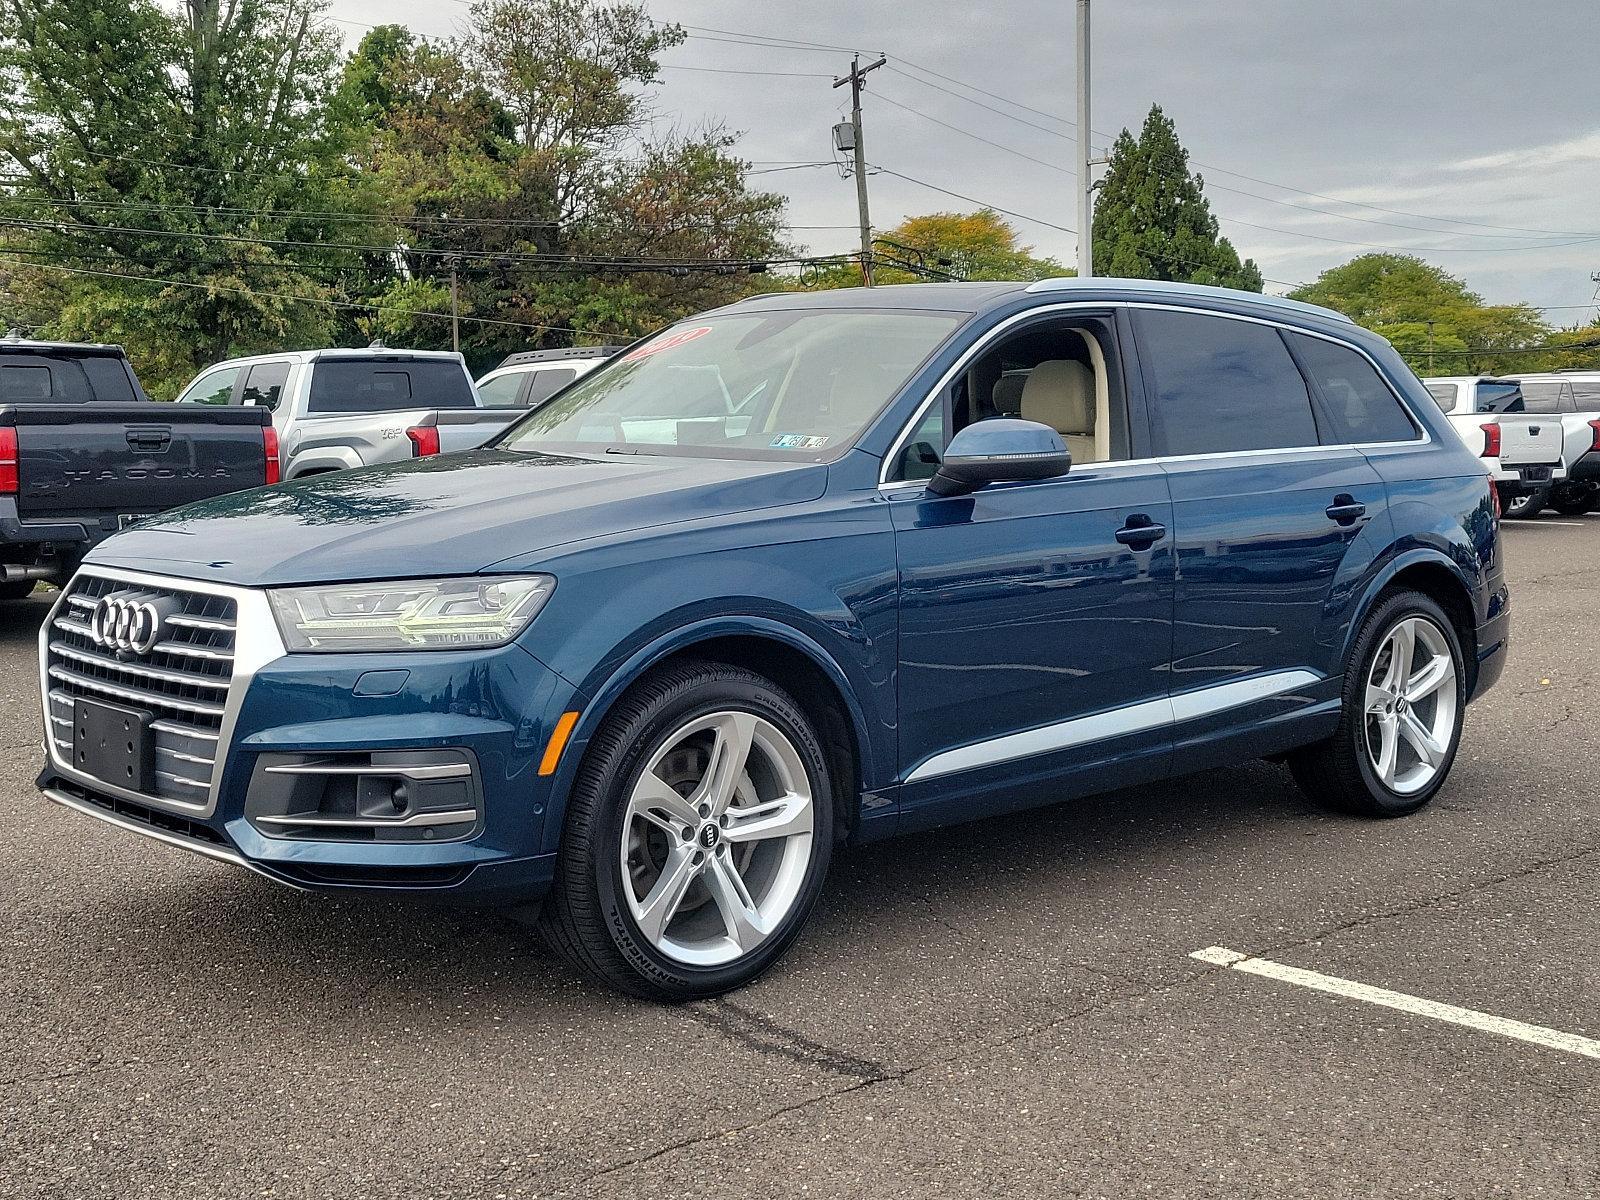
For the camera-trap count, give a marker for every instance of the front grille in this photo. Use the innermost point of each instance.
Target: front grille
(183, 680)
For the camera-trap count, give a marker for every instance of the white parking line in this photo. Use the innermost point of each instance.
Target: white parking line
(1538, 1035)
(1541, 524)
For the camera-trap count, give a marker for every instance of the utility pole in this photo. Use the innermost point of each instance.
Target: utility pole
(1085, 186)
(1430, 345)
(857, 79)
(454, 261)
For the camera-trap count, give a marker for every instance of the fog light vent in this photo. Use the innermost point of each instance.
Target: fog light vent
(376, 796)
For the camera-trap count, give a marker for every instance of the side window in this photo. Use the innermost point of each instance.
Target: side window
(1444, 395)
(548, 382)
(214, 387)
(920, 457)
(263, 387)
(1221, 385)
(1056, 372)
(1357, 403)
(501, 391)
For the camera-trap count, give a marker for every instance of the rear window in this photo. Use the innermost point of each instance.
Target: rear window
(1545, 395)
(39, 378)
(1587, 394)
(382, 385)
(1499, 397)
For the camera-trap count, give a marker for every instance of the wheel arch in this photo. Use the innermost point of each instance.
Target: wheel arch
(1440, 579)
(780, 652)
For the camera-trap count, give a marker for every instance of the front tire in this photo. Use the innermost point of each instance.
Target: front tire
(1404, 699)
(697, 836)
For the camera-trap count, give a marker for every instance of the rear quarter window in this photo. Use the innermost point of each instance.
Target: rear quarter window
(383, 385)
(1359, 406)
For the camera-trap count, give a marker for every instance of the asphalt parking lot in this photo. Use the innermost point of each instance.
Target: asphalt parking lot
(1009, 1008)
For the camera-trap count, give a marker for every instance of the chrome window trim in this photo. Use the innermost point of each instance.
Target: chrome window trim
(1141, 716)
(255, 644)
(979, 347)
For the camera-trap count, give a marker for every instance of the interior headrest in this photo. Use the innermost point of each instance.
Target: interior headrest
(1007, 394)
(1060, 393)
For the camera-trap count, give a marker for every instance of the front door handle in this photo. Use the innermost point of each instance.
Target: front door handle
(1140, 532)
(1346, 509)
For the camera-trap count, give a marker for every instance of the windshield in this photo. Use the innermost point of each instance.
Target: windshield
(800, 383)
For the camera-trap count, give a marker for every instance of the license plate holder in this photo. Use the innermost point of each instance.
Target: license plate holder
(1535, 474)
(112, 742)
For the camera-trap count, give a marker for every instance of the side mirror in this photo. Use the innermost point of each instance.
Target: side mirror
(1002, 450)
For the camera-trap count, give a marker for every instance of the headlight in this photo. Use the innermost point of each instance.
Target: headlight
(409, 614)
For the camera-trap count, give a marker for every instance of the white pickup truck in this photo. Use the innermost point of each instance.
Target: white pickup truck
(1573, 398)
(1521, 451)
(336, 409)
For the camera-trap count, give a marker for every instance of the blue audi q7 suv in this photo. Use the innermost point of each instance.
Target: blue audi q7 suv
(808, 569)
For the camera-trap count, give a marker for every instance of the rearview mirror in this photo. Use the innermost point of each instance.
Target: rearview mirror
(1003, 450)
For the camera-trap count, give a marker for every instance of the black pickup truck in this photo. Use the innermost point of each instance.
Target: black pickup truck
(83, 452)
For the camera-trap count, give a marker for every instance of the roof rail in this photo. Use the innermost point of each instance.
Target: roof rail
(1159, 287)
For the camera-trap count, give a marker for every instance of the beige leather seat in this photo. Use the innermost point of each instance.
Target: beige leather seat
(1060, 393)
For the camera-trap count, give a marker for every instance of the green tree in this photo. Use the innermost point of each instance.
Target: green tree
(1152, 219)
(1435, 320)
(153, 144)
(522, 149)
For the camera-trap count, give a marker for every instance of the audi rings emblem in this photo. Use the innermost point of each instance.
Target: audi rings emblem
(128, 625)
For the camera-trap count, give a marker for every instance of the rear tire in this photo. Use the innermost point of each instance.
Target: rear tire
(20, 590)
(1400, 726)
(1526, 506)
(697, 836)
(1573, 500)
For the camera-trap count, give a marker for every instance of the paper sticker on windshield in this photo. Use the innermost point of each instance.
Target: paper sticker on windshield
(671, 342)
(798, 441)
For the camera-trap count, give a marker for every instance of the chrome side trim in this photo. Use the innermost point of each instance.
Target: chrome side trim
(421, 771)
(256, 643)
(218, 853)
(977, 349)
(415, 819)
(1118, 722)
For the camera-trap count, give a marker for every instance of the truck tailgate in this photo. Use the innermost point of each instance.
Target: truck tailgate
(1527, 440)
(84, 460)
(469, 428)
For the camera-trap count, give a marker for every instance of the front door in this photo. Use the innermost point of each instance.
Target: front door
(1035, 618)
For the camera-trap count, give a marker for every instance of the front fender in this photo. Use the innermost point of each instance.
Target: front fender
(633, 660)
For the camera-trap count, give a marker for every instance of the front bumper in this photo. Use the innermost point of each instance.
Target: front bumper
(493, 709)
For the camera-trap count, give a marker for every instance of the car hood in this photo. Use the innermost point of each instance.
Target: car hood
(451, 515)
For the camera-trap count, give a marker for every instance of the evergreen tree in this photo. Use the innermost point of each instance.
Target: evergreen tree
(1152, 219)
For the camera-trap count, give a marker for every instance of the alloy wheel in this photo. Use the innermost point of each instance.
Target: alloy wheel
(1411, 705)
(716, 838)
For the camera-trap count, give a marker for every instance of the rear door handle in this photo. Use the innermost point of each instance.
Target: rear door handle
(1346, 509)
(1140, 532)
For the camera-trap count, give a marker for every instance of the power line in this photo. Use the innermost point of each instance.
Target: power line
(974, 136)
(212, 287)
(640, 262)
(1050, 224)
(765, 41)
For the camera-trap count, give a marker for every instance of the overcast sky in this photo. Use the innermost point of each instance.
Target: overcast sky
(1475, 122)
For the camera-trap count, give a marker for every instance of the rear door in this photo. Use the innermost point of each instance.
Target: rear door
(1268, 513)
